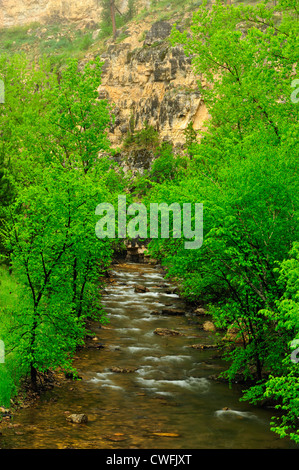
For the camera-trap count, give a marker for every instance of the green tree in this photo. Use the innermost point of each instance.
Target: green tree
(131, 10)
(191, 139)
(147, 137)
(49, 230)
(109, 14)
(283, 386)
(250, 145)
(55, 254)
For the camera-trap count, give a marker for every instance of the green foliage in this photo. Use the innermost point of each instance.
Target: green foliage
(53, 141)
(283, 387)
(54, 41)
(11, 370)
(86, 42)
(121, 19)
(132, 10)
(147, 137)
(56, 256)
(191, 139)
(166, 165)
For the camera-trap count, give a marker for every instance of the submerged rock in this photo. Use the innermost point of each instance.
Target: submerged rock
(95, 346)
(141, 289)
(200, 311)
(169, 311)
(122, 370)
(173, 311)
(77, 418)
(203, 346)
(166, 434)
(167, 332)
(234, 414)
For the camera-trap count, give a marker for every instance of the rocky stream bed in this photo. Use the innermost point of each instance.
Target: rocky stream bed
(146, 382)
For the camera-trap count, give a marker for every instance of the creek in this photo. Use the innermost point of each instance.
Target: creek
(165, 399)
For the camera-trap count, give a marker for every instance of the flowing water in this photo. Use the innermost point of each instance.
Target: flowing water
(166, 401)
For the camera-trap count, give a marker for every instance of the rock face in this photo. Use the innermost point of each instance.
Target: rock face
(21, 12)
(144, 77)
(150, 81)
(159, 31)
(135, 250)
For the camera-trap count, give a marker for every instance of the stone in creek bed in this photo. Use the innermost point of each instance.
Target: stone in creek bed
(141, 289)
(209, 326)
(125, 370)
(169, 311)
(96, 346)
(77, 418)
(116, 437)
(114, 348)
(167, 332)
(203, 346)
(200, 311)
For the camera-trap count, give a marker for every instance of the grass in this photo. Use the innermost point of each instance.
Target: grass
(55, 40)
(166, 9)
(60, 41)
(10, 370)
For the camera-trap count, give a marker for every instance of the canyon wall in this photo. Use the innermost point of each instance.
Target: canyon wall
(22, 12)
(144, 76)
(149, 80)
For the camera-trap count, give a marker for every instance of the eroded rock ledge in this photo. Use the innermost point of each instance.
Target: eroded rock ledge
(152, 82)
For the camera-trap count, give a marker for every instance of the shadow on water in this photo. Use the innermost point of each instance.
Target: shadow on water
(165, 398)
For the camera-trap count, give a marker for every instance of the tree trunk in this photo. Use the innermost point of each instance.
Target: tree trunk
(33, 377)
(112, 12)
(33, 371)
(258, 368)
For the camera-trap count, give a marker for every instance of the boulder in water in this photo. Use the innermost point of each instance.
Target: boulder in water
(167, 332)
(209, 326)
(173, 311)
(80, 418)
(123, 370)
(141, 289)
(95, 346)
(203, 346)
(169, 311)
(200, 311)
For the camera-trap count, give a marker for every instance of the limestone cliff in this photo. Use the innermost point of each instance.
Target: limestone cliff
(151, 81)
(22, 12)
